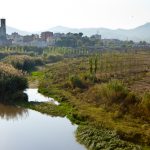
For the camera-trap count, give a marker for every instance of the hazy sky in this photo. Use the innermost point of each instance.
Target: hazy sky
(33, 15)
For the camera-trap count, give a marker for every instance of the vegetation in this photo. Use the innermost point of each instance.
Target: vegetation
(12, 84)
(101, 138)
(23, 62)
(104, 96)
(46, 108)
(102, 92)
(78, 40)
(51, 58)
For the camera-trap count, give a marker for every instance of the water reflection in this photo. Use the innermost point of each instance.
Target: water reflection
(12, 112)
(31, 130)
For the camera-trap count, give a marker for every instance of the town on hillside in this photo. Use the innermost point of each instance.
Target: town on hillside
(72, 40)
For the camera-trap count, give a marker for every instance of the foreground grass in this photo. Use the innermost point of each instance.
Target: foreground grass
(46, 108)
(102, 138)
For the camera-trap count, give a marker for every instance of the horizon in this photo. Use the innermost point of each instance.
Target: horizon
(48, 29)
(32, 16)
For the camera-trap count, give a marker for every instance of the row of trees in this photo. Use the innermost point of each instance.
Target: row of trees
(75, 40)
(121, 64)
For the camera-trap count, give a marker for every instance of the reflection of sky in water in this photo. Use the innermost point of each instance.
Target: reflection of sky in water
(31, 130)
(34, 95)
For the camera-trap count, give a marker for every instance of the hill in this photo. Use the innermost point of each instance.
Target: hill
(137, 34)
(141, 33)
(10, 30)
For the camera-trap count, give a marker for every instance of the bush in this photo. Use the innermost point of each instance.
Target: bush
(23, 62)
(108, 93)
(11, 82)
(54, 58)
(117, 86)
(144, 106)
(3, 54)
(146, 101)
(76, 82)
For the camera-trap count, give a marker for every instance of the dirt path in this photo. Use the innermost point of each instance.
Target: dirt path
(33, 84)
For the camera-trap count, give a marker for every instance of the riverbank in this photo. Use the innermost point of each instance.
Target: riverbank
(75, 103)
(93, 136)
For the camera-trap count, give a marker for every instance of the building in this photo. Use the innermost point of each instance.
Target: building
(3, 38)
(16, 37)
(46, 36)
(2, 32)
(97, 36)
(35, 36)
(27, 38)
(2, 29)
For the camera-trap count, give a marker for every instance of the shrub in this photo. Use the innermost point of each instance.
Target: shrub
(90, 78)
(76, 82)
(117, 86)
(11, 82)
(54, 58)
(146, 101)
(23, 62)
(116, 91)
(114, 97)
(144, 106)
(108, 93)
(3, 54)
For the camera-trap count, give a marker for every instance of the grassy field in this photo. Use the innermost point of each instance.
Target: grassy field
(109, 90)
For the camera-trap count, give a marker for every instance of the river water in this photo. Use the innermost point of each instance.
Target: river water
(25, 129)
(34, 95)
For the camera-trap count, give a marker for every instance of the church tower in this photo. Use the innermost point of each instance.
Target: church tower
(2, 28)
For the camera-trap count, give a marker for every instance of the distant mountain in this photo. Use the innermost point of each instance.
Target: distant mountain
(137, 34)
(10, 30)
(141, 33)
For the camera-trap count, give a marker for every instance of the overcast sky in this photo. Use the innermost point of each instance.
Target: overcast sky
(34, 15)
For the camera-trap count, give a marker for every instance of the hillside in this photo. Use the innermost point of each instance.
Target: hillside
(141, 33)
(10, 30)
(137, 34)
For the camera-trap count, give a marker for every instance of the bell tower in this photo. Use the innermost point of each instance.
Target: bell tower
(3, 28)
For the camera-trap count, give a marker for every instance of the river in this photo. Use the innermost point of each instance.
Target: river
(25, 129)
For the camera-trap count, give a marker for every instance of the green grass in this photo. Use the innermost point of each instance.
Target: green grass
(102, 138)
(47, 108)
(37, 74)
